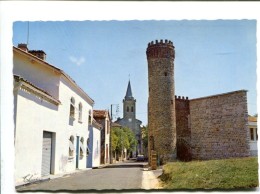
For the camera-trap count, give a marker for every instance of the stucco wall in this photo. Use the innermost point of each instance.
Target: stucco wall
(39, 74)
(105, 139)
(34, 115)
(73, 127)
(219, 126)
(93, 158)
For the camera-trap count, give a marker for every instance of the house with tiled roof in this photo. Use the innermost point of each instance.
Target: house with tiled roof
(103, 118)
(52, 115)
(252, 126)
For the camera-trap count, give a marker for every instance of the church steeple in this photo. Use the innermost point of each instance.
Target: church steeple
(128, 95)
(129, 103)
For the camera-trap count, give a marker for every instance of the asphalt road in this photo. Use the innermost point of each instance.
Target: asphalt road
(116, 176)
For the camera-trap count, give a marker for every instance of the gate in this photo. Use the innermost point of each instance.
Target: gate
(46, 153)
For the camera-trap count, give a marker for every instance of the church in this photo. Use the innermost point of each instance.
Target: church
(129, 118)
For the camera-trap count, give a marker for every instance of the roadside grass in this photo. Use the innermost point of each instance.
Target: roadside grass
(237, 173)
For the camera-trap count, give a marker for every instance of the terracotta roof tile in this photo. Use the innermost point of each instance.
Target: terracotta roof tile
(252, 119)
(100, 113)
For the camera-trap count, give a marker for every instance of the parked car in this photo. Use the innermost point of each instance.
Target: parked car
(140, 158)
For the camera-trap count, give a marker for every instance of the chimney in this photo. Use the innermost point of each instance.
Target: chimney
(38, 53)
(23, 47)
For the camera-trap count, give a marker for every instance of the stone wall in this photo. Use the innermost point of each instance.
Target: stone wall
(219, 126)
(183, 131)
(161, 102)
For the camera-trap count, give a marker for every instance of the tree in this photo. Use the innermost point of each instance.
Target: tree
(132, 142)
(122, 138)
(144, 131)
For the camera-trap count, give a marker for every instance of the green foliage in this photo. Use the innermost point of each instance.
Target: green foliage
(213, 174)
(122, 138)
(145, 136)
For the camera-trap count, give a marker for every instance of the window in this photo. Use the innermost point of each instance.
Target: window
(252, 134)
(127, 109)
(89, 117)
(165, 73)
(132, 109)
(71, 146)
(80, 112)
(87, 150)
(72, 107)
(82, 148)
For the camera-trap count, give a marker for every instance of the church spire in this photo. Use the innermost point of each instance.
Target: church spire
(128, 94)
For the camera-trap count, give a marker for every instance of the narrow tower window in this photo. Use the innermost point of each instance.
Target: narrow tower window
(127, 109)
(132, 109)
(165, 74)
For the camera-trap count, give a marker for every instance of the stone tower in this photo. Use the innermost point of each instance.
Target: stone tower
(161, 102)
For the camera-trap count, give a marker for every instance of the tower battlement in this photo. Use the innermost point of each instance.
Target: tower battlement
(160, 49)
(167, 42)
(181, 98)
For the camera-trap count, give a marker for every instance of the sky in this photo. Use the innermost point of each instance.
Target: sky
(211, 56)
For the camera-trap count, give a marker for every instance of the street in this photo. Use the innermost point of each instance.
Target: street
(126, 175)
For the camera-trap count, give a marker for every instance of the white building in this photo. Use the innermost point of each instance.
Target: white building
(52, 114)
(252, 125)
(94, 145)
(103, 118)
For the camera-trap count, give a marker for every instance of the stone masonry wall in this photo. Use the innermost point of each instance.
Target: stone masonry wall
(183, 131)
(219, 126)
(161, 102)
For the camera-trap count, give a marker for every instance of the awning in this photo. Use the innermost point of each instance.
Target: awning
(71, 146)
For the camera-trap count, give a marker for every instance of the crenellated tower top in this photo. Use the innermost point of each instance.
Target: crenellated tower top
(160, 49)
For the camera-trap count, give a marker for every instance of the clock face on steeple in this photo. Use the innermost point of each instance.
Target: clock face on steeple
(130, 119)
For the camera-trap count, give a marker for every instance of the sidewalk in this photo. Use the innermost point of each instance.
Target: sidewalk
(50, 177)
(150, 178)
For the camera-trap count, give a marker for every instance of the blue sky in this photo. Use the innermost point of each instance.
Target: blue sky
(212, 57)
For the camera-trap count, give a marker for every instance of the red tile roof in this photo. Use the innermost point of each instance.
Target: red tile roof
(252, 119)
(100, 113)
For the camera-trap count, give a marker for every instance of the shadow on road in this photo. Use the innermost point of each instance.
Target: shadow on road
(127, 165)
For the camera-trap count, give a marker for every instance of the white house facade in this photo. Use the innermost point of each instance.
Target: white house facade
(94, 145)
(52, 115)
(103, 118)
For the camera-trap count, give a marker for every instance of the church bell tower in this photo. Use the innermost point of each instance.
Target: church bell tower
(129, 104)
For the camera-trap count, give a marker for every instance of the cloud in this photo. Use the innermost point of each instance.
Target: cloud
(77, 61)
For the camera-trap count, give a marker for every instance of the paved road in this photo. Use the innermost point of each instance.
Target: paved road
(116, 176)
